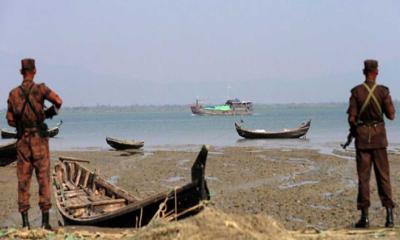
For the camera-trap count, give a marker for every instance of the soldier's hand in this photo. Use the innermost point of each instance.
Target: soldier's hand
(51, 112)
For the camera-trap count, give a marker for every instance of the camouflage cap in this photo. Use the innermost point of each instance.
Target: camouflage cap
(370, 65)
(28, 64)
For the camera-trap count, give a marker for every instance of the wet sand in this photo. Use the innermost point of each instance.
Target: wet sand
(299, 188)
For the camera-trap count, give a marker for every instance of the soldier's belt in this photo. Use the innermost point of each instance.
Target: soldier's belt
(29, 125)
(31, 130)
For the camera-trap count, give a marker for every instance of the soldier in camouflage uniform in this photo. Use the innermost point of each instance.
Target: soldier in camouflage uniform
(369, 103)
(26, 111)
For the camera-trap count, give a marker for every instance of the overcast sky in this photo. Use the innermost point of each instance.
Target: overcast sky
(172, 52)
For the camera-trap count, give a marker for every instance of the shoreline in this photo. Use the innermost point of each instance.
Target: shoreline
(329, 148)
(299, 188)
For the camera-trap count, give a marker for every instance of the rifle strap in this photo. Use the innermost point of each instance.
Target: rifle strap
(27, 101)
(367, 101)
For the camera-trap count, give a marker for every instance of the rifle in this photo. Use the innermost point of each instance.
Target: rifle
(350, 137)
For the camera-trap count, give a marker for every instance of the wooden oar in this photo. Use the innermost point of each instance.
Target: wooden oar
(72, 159)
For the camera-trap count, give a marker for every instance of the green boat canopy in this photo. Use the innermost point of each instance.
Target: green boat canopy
(219, 108)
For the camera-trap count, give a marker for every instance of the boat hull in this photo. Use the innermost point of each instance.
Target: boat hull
(198, 110)
(122, 145)
(140, 215)
(8, 134)
(8, 153)
(70, 177)
(52, 132)
(292, 133)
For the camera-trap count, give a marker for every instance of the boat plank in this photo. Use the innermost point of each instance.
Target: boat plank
(78, 177)
(85, 182)
(97, 203)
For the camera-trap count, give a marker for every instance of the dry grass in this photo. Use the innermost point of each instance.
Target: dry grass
(209, 224)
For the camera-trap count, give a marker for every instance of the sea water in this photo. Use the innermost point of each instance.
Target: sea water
(87, 127)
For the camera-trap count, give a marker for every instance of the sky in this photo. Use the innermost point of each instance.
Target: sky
(97, 52)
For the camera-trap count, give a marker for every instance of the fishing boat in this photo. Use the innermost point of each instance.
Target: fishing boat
(8, 153)
(231, 107)
(120, 144)
(84, 198)
(52, 132)
(285, 133)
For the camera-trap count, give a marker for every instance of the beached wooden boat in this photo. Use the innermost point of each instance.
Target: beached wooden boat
(120, 144)
(52, 132)
(285, 133)
(84, 198)
(8, 153)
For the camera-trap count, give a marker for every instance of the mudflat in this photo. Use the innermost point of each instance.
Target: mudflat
(299, 188)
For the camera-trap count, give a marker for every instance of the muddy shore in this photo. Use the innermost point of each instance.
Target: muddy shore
(299, 188)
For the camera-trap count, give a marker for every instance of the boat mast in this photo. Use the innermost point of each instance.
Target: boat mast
(227, 92)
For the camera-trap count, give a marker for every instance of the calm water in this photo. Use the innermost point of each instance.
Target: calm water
(161, 126)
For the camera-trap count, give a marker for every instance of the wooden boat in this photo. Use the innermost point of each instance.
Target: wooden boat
(231, 107)
(52, 132)
(120, 144)
(286, 133)
(84, 198)
(8, 153)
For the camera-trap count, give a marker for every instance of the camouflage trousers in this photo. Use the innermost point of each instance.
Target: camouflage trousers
(378, 159)
(33, 154)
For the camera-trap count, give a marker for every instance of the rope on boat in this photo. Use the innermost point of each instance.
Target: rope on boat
(198, 206)
(139, 222)
(141, 217)
(172, 215)
(161, 210)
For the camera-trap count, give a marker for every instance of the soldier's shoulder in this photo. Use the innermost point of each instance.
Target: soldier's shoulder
(14, 90)
(43, 89)
(354, 89)
(41, 84)
(383, 90)
(383, 87)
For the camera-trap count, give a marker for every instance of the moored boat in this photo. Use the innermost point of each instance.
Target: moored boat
(84, 198)
(231, 107)
(8, 153)
(120, 144)
(285, 133)
(52, 132)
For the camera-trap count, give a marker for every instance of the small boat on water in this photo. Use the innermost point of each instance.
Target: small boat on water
(84, 198)
(285, 133)
(120, 144)
(8, 153)
(52, 132)
(231, 107)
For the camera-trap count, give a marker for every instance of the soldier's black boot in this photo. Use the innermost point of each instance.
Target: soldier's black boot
(45, 221)
(25, 220)
(389, 218)
(364, 221)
